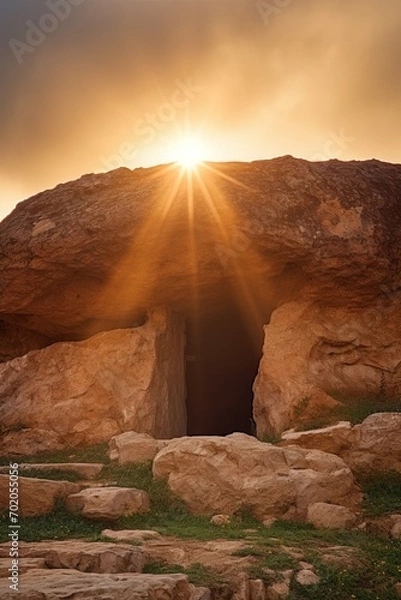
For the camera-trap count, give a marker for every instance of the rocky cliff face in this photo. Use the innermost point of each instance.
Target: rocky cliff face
(74, 393)
(318, 242)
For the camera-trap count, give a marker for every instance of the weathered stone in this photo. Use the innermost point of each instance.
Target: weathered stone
(89, 557)
(398, 589)
(312, 350)
(131, 535)
(278, 591)
(257, 589)
(330, 516)
(50, 584)
(395, 531)
(24, 564)
(85, 470)
(108, 503)
(35, 496)
(132, 447)
(220, 520)
(307, 577)
(201, 593)
(372, 446)
(213, 474)
(85, 392)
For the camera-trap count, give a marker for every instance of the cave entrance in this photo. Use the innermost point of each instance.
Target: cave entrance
(222, 359)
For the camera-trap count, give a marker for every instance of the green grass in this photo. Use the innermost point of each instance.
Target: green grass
(89, 454)
(54, 474)
(197, 573)
(382, 493)
(354, 409)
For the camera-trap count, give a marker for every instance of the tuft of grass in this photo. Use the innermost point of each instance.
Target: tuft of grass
(382, 493)
(88, 454)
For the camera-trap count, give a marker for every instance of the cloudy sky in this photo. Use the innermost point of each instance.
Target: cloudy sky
(90, 85)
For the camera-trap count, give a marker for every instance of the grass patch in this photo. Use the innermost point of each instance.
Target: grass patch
(89, 454)
(382, 493)
(197, 573)
(53, 474)
(59, 525)
(354, 409)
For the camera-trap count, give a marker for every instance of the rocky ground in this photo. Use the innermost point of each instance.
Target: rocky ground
(116, 530)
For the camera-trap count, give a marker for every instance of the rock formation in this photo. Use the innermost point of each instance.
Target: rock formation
(371, 447)
(73, 393)
(214, 474)
(317, 243)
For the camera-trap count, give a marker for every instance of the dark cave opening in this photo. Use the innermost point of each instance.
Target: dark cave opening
(222, 359)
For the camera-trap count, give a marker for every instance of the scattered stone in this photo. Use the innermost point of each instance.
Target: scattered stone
(330, 516)
(269, 521)
(131, 535)
(56, 583)
(214, 474)
(220, 520)
(132, 447)
(395, 532)
(36, 496)
(86, 470)
(278, 591)
(398, 588)
(257, 589)
(201, 593)
(108, 503)
(307, 577)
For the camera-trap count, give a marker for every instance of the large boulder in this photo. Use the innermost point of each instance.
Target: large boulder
(318, 243)
(36, 497)
(91, 254)
(108, 503)
(84, 392)
(370, 447)
(221, 475)
(313, 351)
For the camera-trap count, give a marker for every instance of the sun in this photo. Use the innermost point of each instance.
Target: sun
(189, 153)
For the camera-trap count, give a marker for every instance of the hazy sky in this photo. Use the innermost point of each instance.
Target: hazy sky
(89, 85)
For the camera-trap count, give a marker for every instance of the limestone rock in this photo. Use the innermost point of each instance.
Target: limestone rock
(220, 520)
(132, 447)
(372, 446)
(257, 589)
(278, 591)
(51, 584)
(89, 557)
(395, 531)
(213, 474)
(24, 565)
(307, 577)
(330, 516)
(108, 503)
(85, 392)
(36, 496)
(313, 350)
(131, 535)
(330, 228)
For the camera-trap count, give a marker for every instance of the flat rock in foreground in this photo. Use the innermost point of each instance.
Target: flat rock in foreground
(53, 585)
